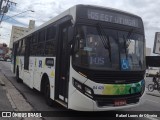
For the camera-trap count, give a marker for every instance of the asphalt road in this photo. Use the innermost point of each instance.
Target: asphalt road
(151, 103)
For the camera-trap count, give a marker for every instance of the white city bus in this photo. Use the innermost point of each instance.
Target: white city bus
(88, 58)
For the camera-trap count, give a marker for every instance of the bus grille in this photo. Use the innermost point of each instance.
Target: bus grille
(117, 78)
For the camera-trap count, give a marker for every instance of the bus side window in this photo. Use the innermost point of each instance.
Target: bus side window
(34, 38)
(33, 45)
(19, 48)
(40, 47)
(41, 35)
(23, 47)
(33, 49)
(41, 42)
(51, 32)
(50, 49)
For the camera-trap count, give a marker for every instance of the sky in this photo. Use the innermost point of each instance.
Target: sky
(148, 10)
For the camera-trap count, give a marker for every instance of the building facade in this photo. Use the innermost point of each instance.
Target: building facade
(3, 50)
(20, 31)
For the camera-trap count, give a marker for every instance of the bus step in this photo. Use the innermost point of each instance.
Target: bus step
(62, 103)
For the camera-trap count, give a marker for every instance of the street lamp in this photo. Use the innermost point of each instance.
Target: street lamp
(14, 15)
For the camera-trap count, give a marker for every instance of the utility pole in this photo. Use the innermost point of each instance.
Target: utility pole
(5, 8)
(1, 6)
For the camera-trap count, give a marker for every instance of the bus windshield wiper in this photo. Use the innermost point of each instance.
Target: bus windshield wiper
(104, 38)
(127, 41)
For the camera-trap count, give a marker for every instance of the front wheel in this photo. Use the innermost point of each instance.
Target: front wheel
(150, 87)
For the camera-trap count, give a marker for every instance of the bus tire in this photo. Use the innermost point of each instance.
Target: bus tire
(158, 89)
(48, 100)
(17, 76)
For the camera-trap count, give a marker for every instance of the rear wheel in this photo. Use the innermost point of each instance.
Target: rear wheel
(150, 87)
(158, 89)
(17, 76)
(49, 101)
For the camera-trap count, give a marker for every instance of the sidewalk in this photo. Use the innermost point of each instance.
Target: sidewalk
(12, 100)
(5, 104)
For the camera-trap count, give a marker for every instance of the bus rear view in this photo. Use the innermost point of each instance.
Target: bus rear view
(108, 59)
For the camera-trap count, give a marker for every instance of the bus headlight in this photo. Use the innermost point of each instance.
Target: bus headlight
(88, 92)
(83, 88)
(77, 85)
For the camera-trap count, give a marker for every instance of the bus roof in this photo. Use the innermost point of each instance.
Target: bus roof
(65, 13)
(72, 11)
(113, 9)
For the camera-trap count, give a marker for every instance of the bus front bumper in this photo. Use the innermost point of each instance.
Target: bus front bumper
(79, 101)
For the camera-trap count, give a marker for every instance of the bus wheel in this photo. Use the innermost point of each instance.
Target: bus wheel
(17, 76)
(159, 89)
(47, 94)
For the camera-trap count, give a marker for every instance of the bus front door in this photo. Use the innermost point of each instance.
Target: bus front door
(62, 65)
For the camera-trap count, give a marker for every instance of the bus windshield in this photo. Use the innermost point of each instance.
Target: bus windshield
(107, 49)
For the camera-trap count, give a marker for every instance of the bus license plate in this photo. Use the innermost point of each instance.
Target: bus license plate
(120, 102)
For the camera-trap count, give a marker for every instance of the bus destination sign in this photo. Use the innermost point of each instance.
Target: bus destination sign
(112, 17)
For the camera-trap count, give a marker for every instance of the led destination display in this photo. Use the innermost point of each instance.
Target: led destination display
(113, 17)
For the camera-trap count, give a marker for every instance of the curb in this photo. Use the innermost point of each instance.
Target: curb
(153, 94)
(17, 100)
(1, 82)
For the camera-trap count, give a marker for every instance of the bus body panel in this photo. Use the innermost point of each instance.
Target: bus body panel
(79, 101)
(38, 67)
(74, 75)
(27, 78)
(20, 64)
(115, 89)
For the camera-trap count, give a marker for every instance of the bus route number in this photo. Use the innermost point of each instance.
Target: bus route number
(98, 87)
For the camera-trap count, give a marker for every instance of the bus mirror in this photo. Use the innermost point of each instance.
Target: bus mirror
(70, 34)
